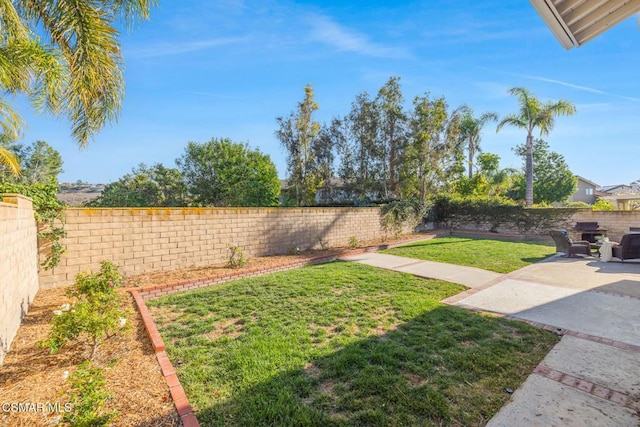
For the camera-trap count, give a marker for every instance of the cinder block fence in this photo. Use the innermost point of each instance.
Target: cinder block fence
(140, 240)
(18, 265)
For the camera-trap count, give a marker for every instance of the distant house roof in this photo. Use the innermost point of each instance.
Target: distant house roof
(575, 22)
(587, 181)
(610, 188)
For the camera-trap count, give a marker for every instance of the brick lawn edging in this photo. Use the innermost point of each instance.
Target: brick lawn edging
(179, 397)
(606, 393)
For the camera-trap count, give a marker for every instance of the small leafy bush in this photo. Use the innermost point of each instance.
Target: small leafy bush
(237, 257)
(88, 398)
(95, 315)
(398, 214)
(353, 242)
(324, 244)
(577, 204)
(602, 205)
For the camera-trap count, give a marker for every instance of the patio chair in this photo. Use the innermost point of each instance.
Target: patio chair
(629, 247)
(567, 246)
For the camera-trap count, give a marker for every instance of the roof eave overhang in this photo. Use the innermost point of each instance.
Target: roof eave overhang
(556, 24)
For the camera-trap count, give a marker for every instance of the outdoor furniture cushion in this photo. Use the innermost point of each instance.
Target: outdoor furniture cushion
(628, 248)
(567, 246)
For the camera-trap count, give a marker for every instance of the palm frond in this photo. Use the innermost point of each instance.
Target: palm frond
(83, 32)
(33, 68)
(10, 121)
(512, 120)
(12, 26)
(9, 160)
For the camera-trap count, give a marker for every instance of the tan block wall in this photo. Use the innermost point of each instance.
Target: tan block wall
(140, 240)
(616, 223)
(18, 265)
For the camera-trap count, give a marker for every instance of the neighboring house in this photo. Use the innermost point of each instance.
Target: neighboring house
(615, 189)
(336, 193)
(622, 196)
(586, 191)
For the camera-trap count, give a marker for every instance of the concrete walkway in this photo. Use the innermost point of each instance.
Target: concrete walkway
(592, 377)
(471, 277)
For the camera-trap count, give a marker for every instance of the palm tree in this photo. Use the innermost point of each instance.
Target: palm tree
(78, 69)
(534, 114)
(470, 128)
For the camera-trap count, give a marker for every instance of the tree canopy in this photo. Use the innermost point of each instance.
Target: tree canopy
(553, 181)
(225, 173)
(156, 186)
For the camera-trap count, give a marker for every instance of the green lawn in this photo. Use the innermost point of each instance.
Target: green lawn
(342, 344)
(501, 256)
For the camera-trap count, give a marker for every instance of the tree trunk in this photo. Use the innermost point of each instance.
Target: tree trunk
(392, 160)
(529, 170)
(471, 153)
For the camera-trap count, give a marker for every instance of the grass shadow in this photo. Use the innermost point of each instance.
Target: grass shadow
(446, 366)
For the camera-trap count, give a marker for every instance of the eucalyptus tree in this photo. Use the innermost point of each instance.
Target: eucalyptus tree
(298, 133)
(534, 114)
(65, 56)
(361, 153)
(392, 131)
(325, 148)
(431, 156)
(470, 129)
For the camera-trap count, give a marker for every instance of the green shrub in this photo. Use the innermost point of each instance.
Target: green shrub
(602, 205)
(577, 205)
(95, 315)
(49, 214)
(452, 211)
(88, 398)
(353, 242)
(396, 215)
(236, 256)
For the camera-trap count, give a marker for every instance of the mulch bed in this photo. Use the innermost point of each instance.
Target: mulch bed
(133, 377)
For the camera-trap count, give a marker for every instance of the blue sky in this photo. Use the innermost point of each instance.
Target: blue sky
(201, 69)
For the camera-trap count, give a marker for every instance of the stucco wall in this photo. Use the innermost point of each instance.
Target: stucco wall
(141, 240)
(18, 265)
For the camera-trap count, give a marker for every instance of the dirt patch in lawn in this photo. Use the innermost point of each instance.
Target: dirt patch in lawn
(133, 377)
(231, 328)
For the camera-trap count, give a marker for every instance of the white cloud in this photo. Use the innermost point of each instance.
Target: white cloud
(325, 30)
(169, 49)
(578, 87)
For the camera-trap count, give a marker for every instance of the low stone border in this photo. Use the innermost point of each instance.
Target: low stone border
(184, 409)
(178, 395)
